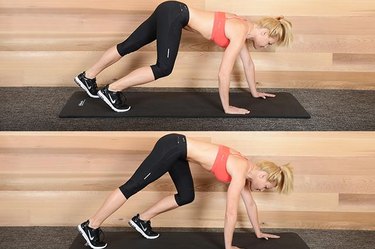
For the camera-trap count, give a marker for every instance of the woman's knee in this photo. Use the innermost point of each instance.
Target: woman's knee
(161, 71)
(130, 188)
(185, 198)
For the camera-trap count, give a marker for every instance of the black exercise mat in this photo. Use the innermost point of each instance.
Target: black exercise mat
(185, 105)
(194, 240)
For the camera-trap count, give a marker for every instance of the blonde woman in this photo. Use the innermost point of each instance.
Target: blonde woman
(172, 153)
(165, 26)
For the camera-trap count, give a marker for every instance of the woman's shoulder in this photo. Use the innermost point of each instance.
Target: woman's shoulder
(238, 163)
(234, 27)
(234, 152)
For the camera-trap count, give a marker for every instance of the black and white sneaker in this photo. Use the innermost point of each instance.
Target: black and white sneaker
(89, 85)
(115, 100)
(92, 236)
(143, 227)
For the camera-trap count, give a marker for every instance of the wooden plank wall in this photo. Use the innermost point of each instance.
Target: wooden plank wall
(49, 178)
(46, 43)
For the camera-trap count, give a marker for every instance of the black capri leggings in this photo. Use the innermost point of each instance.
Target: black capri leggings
(168, 155)
(165, 26)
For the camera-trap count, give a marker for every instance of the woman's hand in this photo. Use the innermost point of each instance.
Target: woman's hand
(236, 110)
(267, 236)
(263, 95)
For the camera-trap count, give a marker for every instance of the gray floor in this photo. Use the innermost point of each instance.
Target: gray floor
(62, 237)
(37, 109)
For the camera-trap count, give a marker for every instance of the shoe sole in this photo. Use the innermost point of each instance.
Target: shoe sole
(87, 239)
(133, 225)
(83, 86)
(106, 100)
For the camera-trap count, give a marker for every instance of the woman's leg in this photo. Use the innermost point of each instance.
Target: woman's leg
(139, 76)
(113, 202)
(169, 151)
(152, 168)
(183, 180)
(108, 58)
(143, 35)
(164, 205)
(170, 19)
(90, 229)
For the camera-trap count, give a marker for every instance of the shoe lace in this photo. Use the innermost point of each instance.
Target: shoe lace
(121, 97)
(148, 225)
(93, 82)
(99, 235)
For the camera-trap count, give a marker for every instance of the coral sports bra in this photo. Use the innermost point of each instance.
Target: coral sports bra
(219, 168)
(218, 30)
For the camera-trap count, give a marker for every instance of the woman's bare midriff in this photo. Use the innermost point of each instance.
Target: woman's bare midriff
(201, 22)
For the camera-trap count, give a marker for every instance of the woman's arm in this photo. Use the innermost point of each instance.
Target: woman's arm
(233, 197)
(252, 213)
(249, 69)
(237, 39)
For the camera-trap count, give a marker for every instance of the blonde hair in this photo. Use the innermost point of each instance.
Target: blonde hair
(280, 29)
(281, 175)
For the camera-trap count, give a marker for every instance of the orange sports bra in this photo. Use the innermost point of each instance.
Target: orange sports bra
(219, 168)
(218, 30)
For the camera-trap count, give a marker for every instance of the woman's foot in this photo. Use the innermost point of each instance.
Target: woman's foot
(92, 236)
(115, 100)
(143, 227)
(89, 85)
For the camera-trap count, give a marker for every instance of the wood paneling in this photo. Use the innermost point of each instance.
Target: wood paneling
(333, 45)
(54, 173)
(34, 68)
(253, 7)
(119, 5)
(56, 207)
(319, 8)
(330, 43)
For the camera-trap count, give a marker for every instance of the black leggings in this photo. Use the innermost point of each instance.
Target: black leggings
(165, 26)
(168, 155)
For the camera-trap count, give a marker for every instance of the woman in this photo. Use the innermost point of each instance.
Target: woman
(165, 26)
(172, 153)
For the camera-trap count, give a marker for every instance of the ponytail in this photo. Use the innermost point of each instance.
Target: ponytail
(279, 28)
(282, 176)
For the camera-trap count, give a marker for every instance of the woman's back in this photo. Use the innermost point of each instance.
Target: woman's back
(202, 21)
(205, 153)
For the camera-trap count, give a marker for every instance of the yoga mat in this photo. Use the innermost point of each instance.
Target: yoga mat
(194, 240)
(185, 105)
